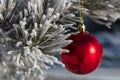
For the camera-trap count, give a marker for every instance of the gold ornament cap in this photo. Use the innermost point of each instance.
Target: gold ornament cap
(81, 27)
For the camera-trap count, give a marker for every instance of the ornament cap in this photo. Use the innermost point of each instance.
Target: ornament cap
(81, 27)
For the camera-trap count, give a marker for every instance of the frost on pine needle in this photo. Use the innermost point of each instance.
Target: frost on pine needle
(104, 12)
(30, 36)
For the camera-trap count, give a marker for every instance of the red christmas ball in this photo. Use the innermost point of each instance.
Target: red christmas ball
(85, 53)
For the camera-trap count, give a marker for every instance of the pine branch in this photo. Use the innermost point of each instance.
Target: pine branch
(30, 36)
(104, 12)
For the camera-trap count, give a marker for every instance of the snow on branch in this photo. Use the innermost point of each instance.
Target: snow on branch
(30, 36)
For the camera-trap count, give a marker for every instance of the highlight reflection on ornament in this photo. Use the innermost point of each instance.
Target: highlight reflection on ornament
(92, 50)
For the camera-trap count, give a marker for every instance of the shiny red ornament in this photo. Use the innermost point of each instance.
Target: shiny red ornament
(85, 53)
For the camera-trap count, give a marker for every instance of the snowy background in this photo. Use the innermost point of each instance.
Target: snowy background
(99, 74)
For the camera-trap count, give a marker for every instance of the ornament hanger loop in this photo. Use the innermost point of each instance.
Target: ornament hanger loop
(81, 26)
